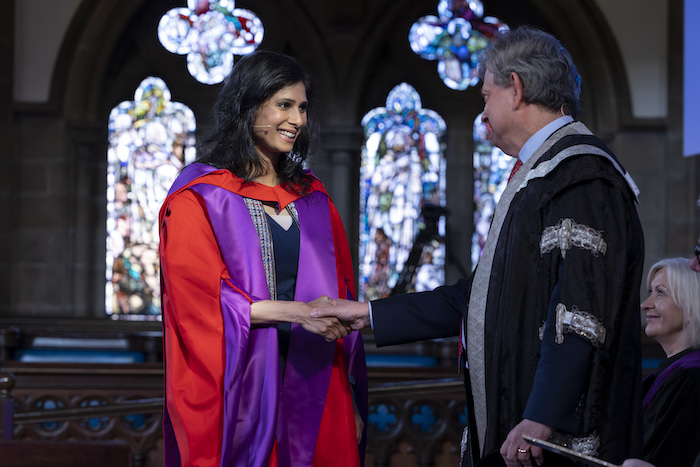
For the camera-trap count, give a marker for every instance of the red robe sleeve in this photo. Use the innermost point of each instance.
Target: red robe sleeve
(192, 270)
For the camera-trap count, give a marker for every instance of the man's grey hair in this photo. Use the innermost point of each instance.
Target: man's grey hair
(544, 66)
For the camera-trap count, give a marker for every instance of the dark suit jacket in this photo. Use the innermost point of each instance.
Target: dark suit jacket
(418, 316)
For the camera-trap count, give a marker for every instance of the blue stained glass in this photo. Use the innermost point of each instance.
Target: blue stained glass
(210, 33)
(424, 419)
(150, 140)
(94, 424)
(402, 172)
(46, 403)
(382, 417)
(456, 39)
(491, 170)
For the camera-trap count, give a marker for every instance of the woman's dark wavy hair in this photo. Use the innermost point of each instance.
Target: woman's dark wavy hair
(544, 66)
(229, 143)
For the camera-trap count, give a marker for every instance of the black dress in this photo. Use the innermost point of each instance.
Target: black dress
(285, 244)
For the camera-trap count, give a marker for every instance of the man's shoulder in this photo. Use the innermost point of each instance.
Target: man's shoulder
(588, 170)
(570, 144)
(576, 157)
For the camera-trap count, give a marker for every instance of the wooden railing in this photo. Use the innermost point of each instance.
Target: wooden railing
(416, 414)
(410, 423)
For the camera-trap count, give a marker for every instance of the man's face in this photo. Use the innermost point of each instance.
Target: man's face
(498, 112)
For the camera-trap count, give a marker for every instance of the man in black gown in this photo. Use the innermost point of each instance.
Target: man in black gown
(551, 316)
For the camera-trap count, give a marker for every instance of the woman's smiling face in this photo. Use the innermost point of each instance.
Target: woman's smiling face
(279, 121)
(664, 317)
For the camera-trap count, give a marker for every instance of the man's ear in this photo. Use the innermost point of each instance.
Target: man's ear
(517, 87)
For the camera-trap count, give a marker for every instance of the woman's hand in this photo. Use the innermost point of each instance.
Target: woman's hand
(359, 426)
(330, 329)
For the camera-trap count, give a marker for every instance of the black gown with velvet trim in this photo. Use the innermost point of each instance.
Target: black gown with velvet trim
(584, 386)
(587, 385)
(672, 418)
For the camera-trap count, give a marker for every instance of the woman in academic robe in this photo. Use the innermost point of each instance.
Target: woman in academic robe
(248, 236)
(672, 394)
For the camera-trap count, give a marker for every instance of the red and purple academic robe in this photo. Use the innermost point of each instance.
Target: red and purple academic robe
(226, 403)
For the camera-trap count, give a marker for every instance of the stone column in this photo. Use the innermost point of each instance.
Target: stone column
(9, 181)
(338, 166)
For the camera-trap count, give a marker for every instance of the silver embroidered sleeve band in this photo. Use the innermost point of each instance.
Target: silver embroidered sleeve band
(568, 234)
(576, 321)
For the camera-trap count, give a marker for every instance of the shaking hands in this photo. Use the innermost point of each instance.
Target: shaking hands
(351, 313)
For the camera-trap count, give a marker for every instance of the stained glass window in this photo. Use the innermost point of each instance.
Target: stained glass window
(402, 189)
(491, 170)
(456, 38)
(150, 140)
(210, 33)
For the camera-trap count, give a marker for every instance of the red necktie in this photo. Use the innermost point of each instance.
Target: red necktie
(516, 167)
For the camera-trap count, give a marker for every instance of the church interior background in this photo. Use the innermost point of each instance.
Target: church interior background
(102, 102)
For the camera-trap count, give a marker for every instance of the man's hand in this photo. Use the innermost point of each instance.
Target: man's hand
(516, 451)
(330, 328)
(355, 314)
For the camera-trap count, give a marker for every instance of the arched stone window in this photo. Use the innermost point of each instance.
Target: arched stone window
(210, 33)
(150, 139)
(455, 38)
(402, 192)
